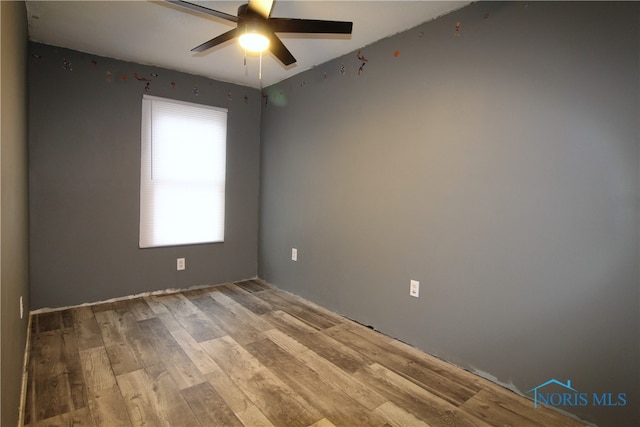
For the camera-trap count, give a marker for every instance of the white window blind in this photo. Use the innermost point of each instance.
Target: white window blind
(182, 173)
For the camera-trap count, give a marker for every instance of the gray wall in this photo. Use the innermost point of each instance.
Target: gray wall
(499, 167)
(14, 211)
(84, 153)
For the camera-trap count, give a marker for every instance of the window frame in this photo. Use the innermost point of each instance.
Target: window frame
(150, 188)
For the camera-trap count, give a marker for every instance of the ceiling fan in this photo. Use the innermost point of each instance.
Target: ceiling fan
(256, 29)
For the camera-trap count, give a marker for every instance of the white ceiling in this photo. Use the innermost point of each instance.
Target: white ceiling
(161, 34)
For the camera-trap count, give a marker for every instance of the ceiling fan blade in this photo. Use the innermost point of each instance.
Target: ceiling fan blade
(287, 25)
(215, 41)
(280, 51)
(203, 9)
(261, 7)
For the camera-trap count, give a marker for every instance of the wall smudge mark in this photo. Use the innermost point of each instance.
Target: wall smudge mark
(364, 61)
(141, 78)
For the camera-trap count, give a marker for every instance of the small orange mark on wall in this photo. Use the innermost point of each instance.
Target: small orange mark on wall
(396, 53)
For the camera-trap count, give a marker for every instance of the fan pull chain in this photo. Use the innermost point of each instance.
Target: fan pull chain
(246, 70)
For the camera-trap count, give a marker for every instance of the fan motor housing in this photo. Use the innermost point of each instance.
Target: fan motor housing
(245, 13)
(251, 22)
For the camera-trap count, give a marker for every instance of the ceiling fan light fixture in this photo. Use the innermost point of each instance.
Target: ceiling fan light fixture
(254, 42)
(256, 29)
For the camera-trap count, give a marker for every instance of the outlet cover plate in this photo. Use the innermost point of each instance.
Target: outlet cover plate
(181, 264)
(414, 289)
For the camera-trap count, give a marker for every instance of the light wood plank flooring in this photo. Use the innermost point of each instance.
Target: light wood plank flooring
(246, 354)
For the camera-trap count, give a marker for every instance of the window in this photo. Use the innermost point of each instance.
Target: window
(182, 173)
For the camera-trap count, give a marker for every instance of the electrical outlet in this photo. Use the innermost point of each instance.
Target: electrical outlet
(21, 307)
(181, 264)
(294, 254)
(414, 289)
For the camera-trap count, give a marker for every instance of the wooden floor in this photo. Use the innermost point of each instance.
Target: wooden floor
(246, 354)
